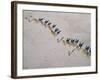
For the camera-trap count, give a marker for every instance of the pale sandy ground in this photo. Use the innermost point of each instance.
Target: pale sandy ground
(40, 47)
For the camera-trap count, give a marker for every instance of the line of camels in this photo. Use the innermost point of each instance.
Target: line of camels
(56, 31)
